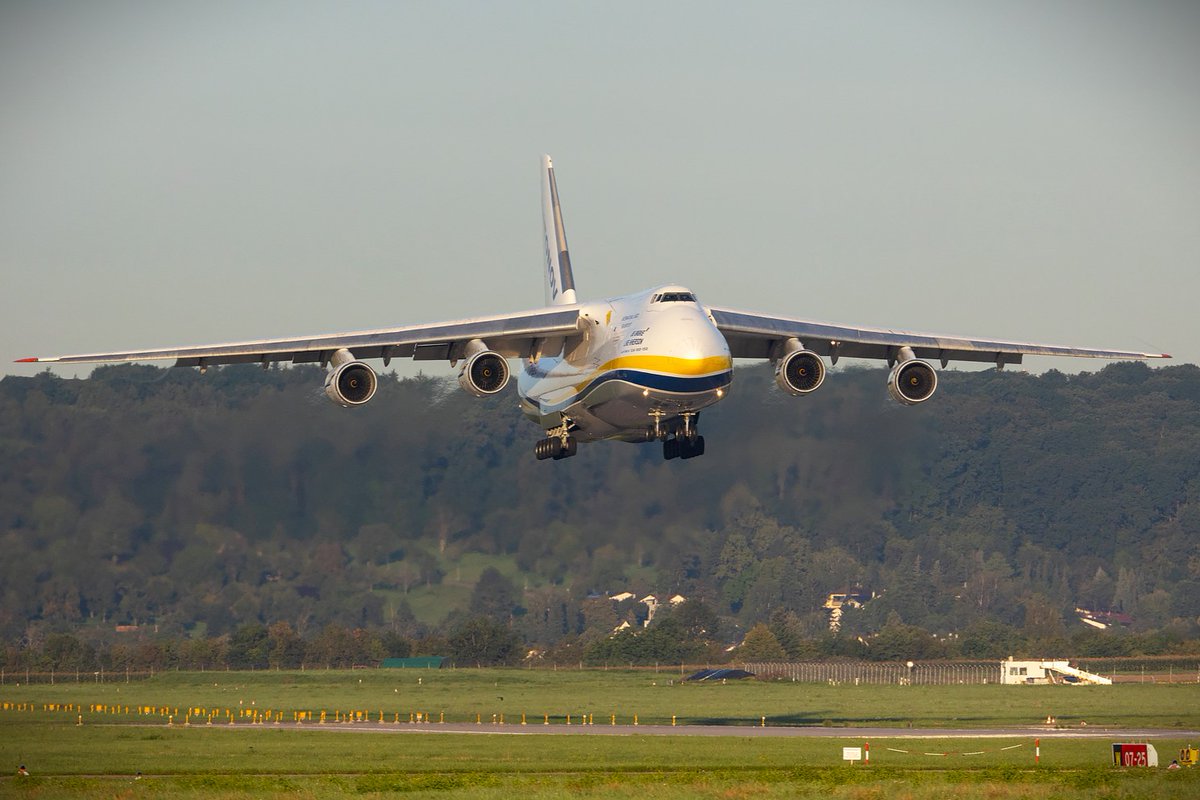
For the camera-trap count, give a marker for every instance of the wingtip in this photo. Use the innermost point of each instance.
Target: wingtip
(26, 361)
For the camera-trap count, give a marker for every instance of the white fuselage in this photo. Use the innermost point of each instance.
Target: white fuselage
(641, 364)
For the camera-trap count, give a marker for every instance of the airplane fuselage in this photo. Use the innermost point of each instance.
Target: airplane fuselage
(640, 363)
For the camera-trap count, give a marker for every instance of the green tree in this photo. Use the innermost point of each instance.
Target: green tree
(394, 645)
(761, 645)
(736, 570)
(249, 647)
(285, 647)
(899, 642)
(63, 651)
(333, 647)
(988, 638)
(484, 642)
(494, 596)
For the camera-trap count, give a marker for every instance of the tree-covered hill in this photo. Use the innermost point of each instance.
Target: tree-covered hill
(203, 503)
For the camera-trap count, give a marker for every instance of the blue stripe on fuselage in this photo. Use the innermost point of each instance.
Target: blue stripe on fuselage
(677, 384)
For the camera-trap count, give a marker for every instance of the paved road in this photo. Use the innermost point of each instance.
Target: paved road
(1091, 732)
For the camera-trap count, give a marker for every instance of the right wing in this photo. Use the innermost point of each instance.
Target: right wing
(752, 335)
(522, 335)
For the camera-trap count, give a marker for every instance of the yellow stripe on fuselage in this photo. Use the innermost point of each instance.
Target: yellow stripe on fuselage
(670, 365)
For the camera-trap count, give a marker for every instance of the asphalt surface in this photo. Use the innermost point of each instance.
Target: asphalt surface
(745, 731)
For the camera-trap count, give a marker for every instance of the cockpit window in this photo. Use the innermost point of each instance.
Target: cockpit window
(675, 297)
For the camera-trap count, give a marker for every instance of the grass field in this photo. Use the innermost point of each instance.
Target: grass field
(461, 695)
(102, 757)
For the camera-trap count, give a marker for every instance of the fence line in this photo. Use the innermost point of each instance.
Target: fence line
(880, 673)
(10, 677)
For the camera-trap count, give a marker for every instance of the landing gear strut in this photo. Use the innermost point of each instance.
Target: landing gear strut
(558, 444)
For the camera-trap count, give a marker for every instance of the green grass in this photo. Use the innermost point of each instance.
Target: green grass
(101, 761)
(100, 758)
(653, 697)
(432, 603)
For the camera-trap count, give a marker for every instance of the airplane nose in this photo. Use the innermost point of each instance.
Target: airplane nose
(693, 338)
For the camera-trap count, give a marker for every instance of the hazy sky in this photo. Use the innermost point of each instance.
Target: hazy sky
(200, 172)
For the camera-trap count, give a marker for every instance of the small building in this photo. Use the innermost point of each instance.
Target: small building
(1020, 673)
(622, 597)
(651, 603)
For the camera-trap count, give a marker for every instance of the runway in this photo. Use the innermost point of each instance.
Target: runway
(738, 731)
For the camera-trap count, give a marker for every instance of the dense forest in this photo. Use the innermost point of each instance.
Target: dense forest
(241, 503)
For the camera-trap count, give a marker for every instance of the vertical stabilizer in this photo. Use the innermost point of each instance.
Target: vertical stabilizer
(560, 283)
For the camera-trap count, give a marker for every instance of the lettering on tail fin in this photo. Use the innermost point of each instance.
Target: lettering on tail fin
(560, 281)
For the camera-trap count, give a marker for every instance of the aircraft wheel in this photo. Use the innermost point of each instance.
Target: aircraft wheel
(690, 448)
(671, 449)
(547, 448)
(568, 451)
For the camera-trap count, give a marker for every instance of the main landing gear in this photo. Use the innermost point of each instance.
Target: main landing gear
(683, 442)
(558, 444)
(682, 447)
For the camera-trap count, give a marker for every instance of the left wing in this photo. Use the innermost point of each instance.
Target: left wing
(520, 335)
(757, 336)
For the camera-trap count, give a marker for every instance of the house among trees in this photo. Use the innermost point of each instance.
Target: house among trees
(650, 601)
(1103, 620)
(651, 604)
(855, 597)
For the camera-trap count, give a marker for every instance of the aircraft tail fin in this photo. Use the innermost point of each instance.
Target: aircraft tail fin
(560, 282)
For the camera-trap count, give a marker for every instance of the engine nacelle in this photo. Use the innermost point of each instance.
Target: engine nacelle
(484, 373)
(912, 382)
(351, 384)
(800, 372)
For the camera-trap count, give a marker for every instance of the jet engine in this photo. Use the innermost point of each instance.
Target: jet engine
(912, 382)
(484, 373)
(800, 372)
(350, 383)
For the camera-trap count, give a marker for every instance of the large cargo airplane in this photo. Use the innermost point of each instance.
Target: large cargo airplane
(637, 368)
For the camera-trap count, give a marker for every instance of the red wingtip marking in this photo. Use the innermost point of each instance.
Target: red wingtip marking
(25, 361)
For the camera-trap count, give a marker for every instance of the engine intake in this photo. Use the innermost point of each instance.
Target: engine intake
(351, 384)
(484, 373)
(800, 372)
(912, 382)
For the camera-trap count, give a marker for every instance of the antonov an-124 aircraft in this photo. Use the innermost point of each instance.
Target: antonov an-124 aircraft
(638, 368)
